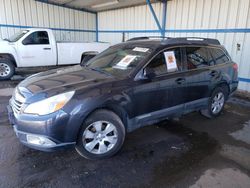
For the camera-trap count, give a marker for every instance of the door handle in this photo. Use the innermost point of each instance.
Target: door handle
(180, 80)
(47, 48)
(214, 73)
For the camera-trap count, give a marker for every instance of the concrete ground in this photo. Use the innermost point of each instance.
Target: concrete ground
(190, 152)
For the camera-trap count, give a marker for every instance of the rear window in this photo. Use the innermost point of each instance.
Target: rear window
(219, 56)
(198, 57)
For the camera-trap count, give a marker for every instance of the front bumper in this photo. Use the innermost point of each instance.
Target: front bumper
(23, 138)
(46, 133)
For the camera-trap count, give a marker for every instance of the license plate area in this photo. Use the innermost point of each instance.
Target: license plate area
(11, 115)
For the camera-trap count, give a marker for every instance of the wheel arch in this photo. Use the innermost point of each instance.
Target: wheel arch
(223, 85)
(9, 57)
(121, 113)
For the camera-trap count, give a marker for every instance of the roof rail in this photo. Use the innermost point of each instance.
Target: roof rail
(208, 40)
(147, 38)
(197, 40)
(180, 39)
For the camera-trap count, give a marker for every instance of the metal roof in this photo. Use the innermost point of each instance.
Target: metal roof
(96, 5)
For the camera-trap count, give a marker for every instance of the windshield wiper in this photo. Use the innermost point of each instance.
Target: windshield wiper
(100, 71)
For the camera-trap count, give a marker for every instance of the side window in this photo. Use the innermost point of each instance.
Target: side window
(198, 57)
(165, 62)
(219, 56)
(36, 38)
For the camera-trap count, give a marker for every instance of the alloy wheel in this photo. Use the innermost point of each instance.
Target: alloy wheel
(217, 103)
(100, 137)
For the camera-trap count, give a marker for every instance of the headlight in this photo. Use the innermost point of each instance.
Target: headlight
(50, 105)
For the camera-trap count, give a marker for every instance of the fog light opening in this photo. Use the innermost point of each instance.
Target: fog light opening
(39, 141)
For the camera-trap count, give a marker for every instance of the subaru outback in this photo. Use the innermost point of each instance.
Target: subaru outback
(132, 84)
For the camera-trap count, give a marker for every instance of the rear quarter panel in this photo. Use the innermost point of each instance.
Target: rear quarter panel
(71, 53)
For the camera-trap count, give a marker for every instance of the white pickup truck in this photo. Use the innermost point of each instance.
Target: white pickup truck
(38, 47)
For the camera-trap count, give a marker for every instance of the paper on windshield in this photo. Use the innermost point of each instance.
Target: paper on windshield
(125, 62)
(139, 49)
(170, 60)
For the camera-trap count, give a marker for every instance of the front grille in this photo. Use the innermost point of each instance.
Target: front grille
(16, 105)
(17, 102)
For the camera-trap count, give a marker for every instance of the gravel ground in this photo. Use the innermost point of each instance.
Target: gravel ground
(190, 152)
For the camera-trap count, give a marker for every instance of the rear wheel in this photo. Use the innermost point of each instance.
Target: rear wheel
(101, 136)
(216, 103)
(7, 69)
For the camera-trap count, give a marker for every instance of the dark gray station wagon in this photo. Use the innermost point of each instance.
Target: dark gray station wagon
(129, 85)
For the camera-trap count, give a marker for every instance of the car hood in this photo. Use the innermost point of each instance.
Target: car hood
(61, 80)
(3, 43)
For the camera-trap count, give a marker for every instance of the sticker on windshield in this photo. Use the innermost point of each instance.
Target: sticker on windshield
(139, 49)
(125, 62)
(170, 60)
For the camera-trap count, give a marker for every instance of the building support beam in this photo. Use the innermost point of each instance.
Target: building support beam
(96, 27)
(154, 15)
(164, 18)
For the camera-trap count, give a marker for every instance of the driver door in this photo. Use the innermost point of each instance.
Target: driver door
(164, 93)
(36, 50)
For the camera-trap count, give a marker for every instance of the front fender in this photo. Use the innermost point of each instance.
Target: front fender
(9, 50)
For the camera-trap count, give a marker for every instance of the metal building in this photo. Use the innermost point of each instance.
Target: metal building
(68, 24)
(226, 20)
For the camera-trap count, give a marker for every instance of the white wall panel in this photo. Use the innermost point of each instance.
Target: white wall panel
(138, 17)
(30, 13)
(188, 15)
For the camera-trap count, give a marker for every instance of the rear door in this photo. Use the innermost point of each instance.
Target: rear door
(199, 76)
(36, 50)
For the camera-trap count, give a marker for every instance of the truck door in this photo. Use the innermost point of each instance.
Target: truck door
(37, 50)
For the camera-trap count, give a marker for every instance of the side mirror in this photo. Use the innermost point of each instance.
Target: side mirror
(86, 57)
(149, 73)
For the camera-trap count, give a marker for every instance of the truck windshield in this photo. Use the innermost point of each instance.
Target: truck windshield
(17, 36)
(118, 61)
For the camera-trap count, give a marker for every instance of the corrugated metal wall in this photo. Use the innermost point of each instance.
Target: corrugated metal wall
(132, 19)
(68, 24)
(226, 20)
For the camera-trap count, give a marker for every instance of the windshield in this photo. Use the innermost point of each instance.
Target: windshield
(119, 61)
(17, 36)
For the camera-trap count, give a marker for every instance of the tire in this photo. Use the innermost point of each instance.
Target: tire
(7, 69)
(216, 103)
(101, 135)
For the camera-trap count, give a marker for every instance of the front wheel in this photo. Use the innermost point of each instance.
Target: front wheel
(216, 103)
(101, 136)
(7, 69)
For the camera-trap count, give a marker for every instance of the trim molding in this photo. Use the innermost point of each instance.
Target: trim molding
(235, 30)
(53, 28)
(129, 31)
(244, 80)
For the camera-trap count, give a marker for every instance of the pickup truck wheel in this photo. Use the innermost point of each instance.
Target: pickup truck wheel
(7, 69)
(101, 136)
(216, 103)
